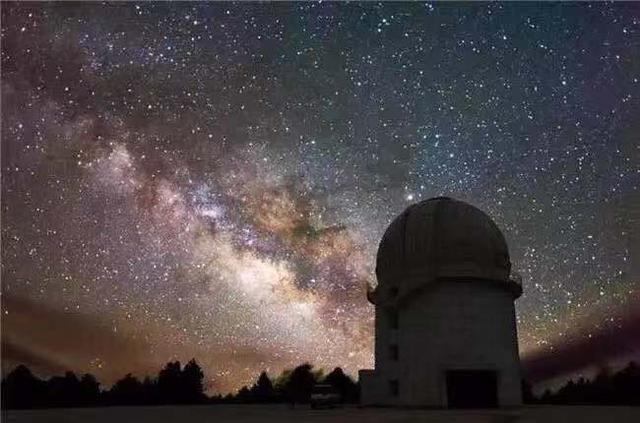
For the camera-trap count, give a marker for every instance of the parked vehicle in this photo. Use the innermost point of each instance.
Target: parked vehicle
(324, 395)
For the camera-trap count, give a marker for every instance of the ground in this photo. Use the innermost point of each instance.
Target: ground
(279, 413)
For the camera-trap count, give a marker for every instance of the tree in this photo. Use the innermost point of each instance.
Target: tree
(601, 389)
(178, 385)
(169, 385)
(191, 382)
(621, 388)
(280, 383)
(149, 391)
(626, 383)
(126, 391)
(63, 391)
(263, 390)
(243, 395)
(300, 384)
(89, 390)
(343, 384)
(547, 397)
(21, 389)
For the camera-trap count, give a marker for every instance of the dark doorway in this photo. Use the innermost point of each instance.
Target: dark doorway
(472, 389)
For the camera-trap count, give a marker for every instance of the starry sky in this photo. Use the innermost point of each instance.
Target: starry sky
(212, 180)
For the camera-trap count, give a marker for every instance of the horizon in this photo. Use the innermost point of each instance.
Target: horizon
(212, 180)
(588, 373)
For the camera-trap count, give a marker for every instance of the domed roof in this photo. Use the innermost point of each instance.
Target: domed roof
(441, 238)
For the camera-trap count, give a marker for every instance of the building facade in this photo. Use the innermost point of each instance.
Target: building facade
(444, 312)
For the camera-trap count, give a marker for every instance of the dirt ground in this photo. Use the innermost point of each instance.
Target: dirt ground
(280, 413)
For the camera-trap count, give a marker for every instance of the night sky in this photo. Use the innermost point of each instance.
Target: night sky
(212, 180)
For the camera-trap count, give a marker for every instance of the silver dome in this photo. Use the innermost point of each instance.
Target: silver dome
(441, 238)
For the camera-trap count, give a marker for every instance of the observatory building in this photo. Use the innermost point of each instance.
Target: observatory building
(445, 320)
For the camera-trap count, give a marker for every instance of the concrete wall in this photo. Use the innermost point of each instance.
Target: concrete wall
(445, 326)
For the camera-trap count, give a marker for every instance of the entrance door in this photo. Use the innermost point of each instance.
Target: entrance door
(472, 389)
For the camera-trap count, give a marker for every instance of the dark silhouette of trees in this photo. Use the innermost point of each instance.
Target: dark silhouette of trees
(178, 385)
(169, 382)
(191, 382)
(174, 385)
(626, 384)
(262, 391)
(545, 398)
(89, 390)
(298, 387)
(149, 391)
(293, 386)
(21, 389)
(184, 385)
(621, 388)
(343, 384)
(127, 391)
(243, 395)
(62, 389)
(264, 386)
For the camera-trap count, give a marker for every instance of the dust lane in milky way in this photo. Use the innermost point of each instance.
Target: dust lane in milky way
(212, 180)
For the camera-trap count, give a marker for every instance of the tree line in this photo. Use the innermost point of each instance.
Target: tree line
(606, 388)
(174, 384)
(177, 384)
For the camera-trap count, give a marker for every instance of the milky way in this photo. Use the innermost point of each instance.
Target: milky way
(211, 180)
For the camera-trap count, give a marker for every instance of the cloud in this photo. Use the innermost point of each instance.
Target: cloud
(51, 341)
(610, 343)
